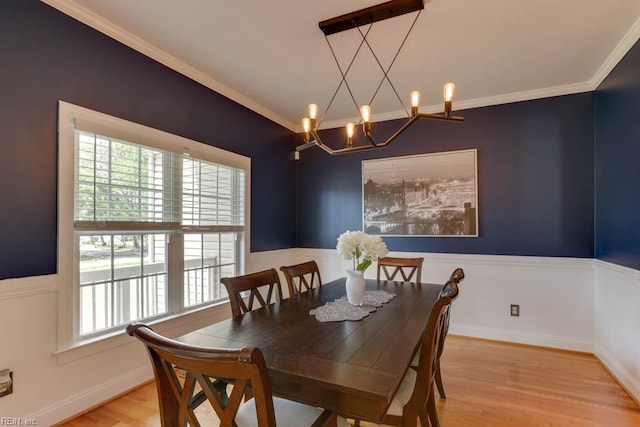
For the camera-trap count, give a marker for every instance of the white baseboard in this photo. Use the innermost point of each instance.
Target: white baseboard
(93, 397)
(519, 337)
(616, 344)
(626, 378)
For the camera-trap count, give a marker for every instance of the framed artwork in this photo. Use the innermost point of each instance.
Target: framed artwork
(425, 195)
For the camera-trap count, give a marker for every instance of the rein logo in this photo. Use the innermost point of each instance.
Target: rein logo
(18, 421)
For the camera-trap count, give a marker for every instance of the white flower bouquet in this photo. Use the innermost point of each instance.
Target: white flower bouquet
(361, 248)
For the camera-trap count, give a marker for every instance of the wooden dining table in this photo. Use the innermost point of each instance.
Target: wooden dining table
(351, 367)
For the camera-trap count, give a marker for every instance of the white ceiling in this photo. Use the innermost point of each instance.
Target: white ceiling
(270, 55)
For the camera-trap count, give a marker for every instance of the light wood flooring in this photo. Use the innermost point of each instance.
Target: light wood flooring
(487, 384)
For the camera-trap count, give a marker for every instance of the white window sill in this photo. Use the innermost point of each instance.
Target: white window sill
(169, 326)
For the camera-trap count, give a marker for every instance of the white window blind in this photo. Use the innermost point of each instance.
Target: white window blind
(212, 195)
(120, 181)
(131, 201)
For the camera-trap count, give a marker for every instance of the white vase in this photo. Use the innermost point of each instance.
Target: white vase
(355, 287)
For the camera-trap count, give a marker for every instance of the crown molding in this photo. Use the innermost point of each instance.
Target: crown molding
(82, 14)
(621, 49)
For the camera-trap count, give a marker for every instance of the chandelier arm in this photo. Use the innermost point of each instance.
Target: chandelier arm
(411, 121)
(351, 149)
(318, 142)
(327, 149)
(440, 117)
(343, 74)
(386, 73)
(397, 133)
(306, 145)
(371, 140)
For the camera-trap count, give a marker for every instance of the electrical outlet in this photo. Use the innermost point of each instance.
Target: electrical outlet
(515, 310)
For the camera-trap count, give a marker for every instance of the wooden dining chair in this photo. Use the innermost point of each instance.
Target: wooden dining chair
(261, 288)
(450, 290)
(200, 366)
(407, 267)
(414, 398)
(301, 277)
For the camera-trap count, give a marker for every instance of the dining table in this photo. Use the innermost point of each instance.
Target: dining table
(351, 367)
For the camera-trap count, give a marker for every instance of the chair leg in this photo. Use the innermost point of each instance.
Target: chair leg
(438, 378)
(431, 409)
(356, 423)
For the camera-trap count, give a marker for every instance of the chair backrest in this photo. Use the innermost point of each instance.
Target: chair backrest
(178, 400)
(407, 267)
(450, 290)
(255, 284)
(457, 275)
(302, 277)
(428, 358)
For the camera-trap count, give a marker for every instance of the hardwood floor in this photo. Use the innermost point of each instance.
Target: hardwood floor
(487, 384)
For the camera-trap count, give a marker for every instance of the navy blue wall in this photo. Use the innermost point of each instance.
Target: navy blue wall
(617, 135)
(535, 173)
(535, 158)
(46, 56)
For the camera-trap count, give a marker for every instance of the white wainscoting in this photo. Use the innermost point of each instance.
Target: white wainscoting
(50, 387)
(564, 303)
(555, 295)
(617, 323)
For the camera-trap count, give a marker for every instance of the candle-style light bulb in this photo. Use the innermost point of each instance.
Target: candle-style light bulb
(449, 90)
(415, 102)
(306, 126)
(350, 129)
(313, 113)
(365, 113)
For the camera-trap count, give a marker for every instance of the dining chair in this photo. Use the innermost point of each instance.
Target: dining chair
(450, 290)
(407, 267)
(200, 366)
(414, 398)
(301, 277)
(255, 284)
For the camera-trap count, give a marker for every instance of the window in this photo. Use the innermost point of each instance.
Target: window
(156, 221)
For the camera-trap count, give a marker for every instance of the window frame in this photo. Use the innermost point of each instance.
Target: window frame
(70, 115)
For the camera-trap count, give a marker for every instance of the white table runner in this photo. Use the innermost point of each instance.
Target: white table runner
(340, 309)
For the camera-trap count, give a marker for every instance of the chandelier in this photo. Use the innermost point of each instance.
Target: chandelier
(355, 20)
